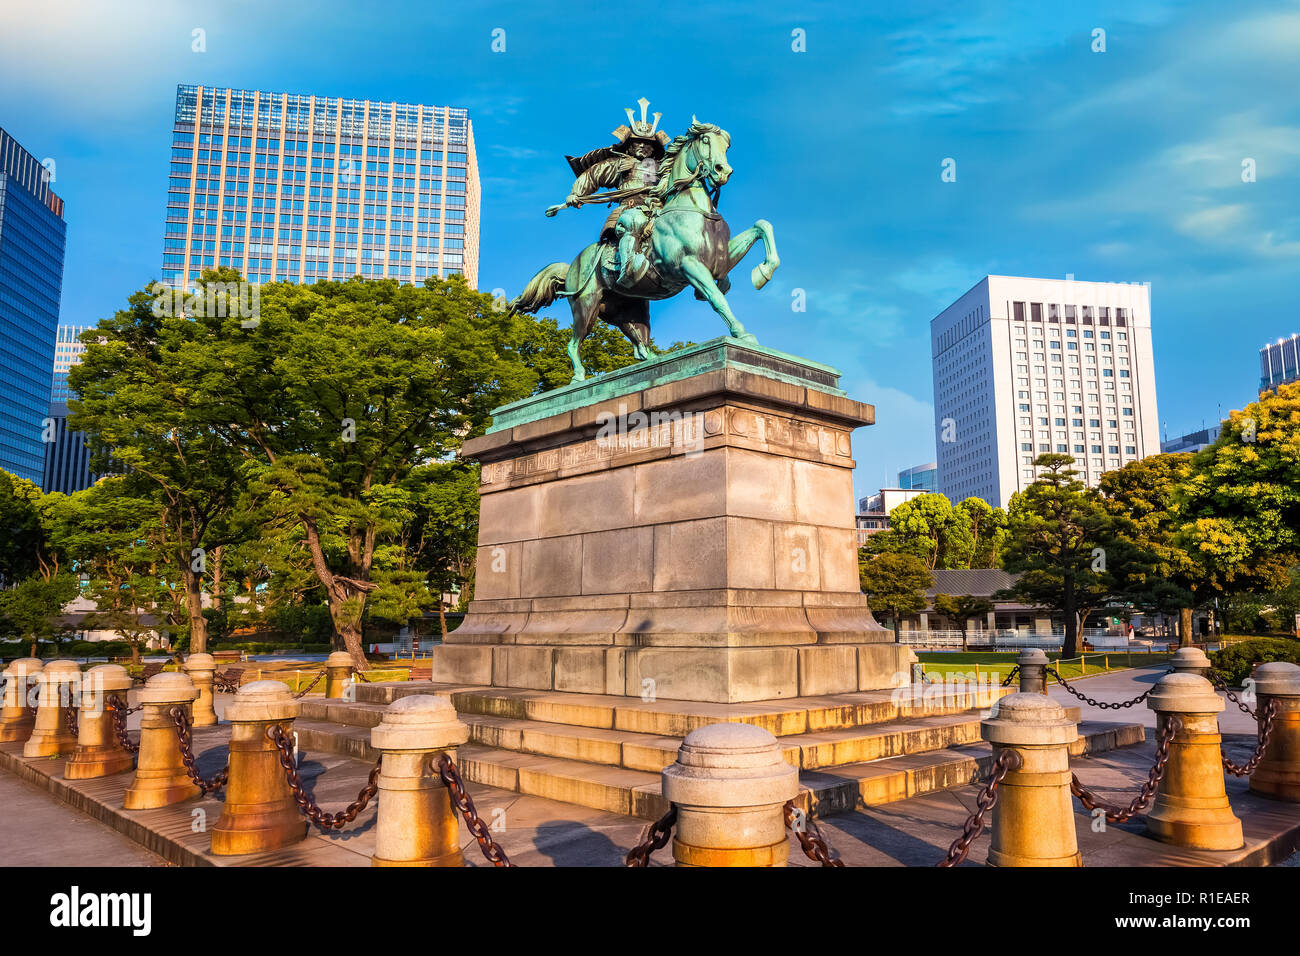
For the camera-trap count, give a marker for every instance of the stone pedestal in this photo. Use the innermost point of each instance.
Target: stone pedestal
(1191, 807)
(160, 777)
(417, 823)
(338, 667)
(259, 813)
(59, 687)
(1191, 660)
(1033, 671)
(201, 668)
(1278, 773)
(681, 529)
(17, 707)
(98, 753)
(730, 785)
(1033, 819)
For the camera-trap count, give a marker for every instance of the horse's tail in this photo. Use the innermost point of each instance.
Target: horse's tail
(543, 289)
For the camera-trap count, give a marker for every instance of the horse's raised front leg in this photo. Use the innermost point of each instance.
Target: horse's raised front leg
(763, 271)
(699, 276)
(743, 242)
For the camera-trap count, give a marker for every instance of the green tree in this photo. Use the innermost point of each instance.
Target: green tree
(21, 534)
(987, 527)
(33, 606)
(338, 392)
(928, 527)
(142, 384)
(1241, 503)
(1063, 543)
(895, 583)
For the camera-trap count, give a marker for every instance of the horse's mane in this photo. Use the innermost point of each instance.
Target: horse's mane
(673, 150)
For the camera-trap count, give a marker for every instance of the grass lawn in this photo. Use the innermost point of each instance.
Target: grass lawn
(938, 663)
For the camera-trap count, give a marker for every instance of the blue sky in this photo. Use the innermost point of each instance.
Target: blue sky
(1123, 165)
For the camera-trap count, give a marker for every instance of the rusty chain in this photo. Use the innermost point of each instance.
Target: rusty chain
(655, 837)
(1266, 715)
(71, 712)
(1011, 676)
(1222, 685)
(120, 713)
(360, 676)
(446, 768)
(224, 685)
(307, 690)
(1104, 705)
(182, 722)
(1117, 814)
(307, 805)
(1007, 760)
(810, 837)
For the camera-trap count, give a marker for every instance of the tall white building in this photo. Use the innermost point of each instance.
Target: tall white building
(1026, 366)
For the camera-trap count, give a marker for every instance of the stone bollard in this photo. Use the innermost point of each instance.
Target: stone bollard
(59, 686)
(1033, 671)
(1278, 773)
(201, 668)
(417, 823)
(730, 785)
(338, 667)
(17, 713)
(259, 813)
(1033, 819)
(1191, 660)
(1191, 807)
(160, 777)
(99, 753)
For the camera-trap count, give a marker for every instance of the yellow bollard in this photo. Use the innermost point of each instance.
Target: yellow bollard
(59, 686)
(18, 708)
(201, 668)
(1278, 773)
(98, 752)
(730, 784)
(337, 668)
(1033, 818)
(1191, 807)
(160, 776)
(417, 823)
(259, 813)
(1191, 660)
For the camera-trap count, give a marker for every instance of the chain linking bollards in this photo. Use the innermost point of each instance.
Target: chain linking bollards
(417, 823)
(1191, 806)
(307, 804)
(1277, 773)
(259, 813)
(1033, 818)
(17, 707)
(202, 668)
(58, 686)
(729, 786)
(161, 777)
(99, 752)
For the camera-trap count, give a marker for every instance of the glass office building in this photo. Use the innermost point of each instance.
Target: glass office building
(1279, 363)
(32, 235)
(290, 187)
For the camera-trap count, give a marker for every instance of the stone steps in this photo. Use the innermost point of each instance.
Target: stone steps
(782, 718)
(620, 789)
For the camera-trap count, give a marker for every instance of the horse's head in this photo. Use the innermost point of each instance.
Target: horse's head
(700, 154)
(708, 153)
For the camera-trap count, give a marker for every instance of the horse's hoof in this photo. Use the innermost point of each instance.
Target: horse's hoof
(761, 275)
(746, 338)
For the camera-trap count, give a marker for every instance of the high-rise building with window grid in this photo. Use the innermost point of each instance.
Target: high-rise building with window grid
(32, 235)
(67, 353)
(291, 187)
(1279, 363)
(1027, 366)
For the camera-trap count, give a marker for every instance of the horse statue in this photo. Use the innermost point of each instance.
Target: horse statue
(686, 243)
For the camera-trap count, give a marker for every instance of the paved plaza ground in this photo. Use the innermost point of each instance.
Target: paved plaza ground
(535, 831)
